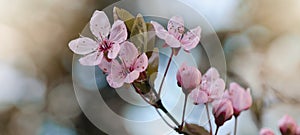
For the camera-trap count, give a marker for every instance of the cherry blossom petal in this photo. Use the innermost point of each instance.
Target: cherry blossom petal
(208, 78)
(211, 74)
(113, 51)
(92, 59)
(105, 66)
(83, 45)
(128, 53)
(118, 33)
(176, 26)
(165, 45)
(191, 39)
(172, 41)
(178, 75)
(114, 84)
(99, 24)
(159, 30)
(117, 75)
(141, 63)
(163, 34)
(132, 76)
(199, 96)
(217, 89)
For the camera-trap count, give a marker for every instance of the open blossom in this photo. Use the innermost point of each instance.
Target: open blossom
(211, 88)
(287, 125)
(175, 36)
(241, 99)
(188, 78)
(222, 110)
(129, 67)
(266, 131)
(107, 40)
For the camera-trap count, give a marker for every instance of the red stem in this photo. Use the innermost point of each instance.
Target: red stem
(165, 74)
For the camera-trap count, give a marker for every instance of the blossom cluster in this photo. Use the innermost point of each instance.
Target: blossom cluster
(211, 89)
(119, 58)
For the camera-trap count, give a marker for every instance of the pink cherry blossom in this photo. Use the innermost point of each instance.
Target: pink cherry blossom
(175, 36)
(211, 88)
(129, 67)
(298, 130)
(241, 99)
(188, 78)
(105, 65)
(107, 40)
(266, 131)
(222, 110)
(287, 125)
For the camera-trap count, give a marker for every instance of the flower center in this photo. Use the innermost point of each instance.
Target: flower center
(105, 45)
(131, 68)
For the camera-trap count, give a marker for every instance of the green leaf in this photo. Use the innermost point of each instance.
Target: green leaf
(194, 129)
(125, 16)
(122, 14)
(139, 35)
(153, 62)
(144, 86)
(151, 37)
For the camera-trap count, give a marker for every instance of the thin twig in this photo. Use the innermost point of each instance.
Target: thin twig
(165, 74)
(162, 107)
(140, 93)
(217, 130)
(235, 125)
(164, 119)
(183, 113)
(208, 117)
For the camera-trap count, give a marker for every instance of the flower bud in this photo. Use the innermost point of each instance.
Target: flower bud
(266, 131)
(188, 78)
(298, 130)
(222, 111)
(287, 125)
(240, 98)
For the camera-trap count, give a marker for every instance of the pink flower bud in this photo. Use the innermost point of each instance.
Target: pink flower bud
(240, 98)
(298, 130)
(266, 131)
(287, 125)
(222, 111)
(188, 78)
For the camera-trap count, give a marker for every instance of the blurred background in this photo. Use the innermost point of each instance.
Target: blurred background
(260, 40)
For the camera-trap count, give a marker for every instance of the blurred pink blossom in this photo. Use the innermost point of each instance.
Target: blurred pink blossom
(287, 125)
(241, 99)
(298, 130)
(266, 131)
